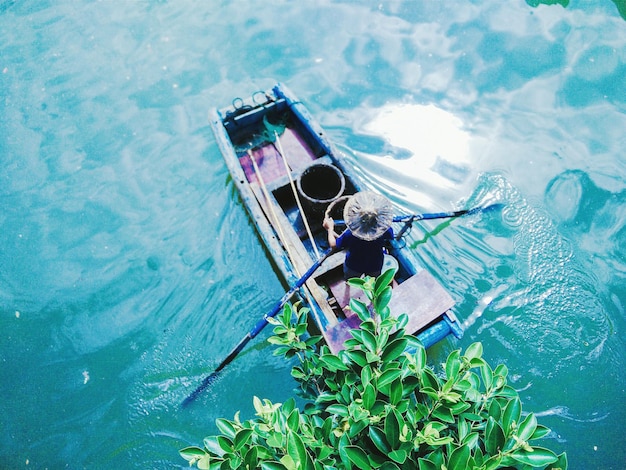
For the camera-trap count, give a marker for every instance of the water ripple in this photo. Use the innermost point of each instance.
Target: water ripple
(555, 309)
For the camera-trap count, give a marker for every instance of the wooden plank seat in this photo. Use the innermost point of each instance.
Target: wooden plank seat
(434, 302)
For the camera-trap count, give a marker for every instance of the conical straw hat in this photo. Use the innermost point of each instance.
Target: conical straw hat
(368, 215)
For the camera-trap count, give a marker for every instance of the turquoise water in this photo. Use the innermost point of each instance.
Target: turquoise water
(128, 266)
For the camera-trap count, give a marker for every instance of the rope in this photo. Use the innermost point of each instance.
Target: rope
(332, 204)
(270, 207)
(285, 242)
(295, 195)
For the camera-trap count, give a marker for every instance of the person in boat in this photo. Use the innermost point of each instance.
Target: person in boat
(368, 218)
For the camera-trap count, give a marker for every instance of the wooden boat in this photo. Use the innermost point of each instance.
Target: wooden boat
(288, 174)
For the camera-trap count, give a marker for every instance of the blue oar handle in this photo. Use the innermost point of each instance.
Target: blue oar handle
(439, 215)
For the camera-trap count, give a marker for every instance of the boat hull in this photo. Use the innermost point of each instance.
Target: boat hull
(288, 173)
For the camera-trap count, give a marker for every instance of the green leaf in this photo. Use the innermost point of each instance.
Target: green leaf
(472, 417)
(512, 413)
(540, 432)
(388, 376)
(289, 405)
(359, 308)
(539, 457)
(459, 458)
(560, 464)
(356, 282)
(527, 428)
(358, 357)
(494, 436)
(383, 338)
(382, 300)
(425, 464)
(392, 429)
(275, 439)
(471, 440)
(226, 427)
(403, 320)
(250, 457)
(333, 363)
(357, 426)
(225, 443)
(343, 443)
(501, 370)
(459, 407)
(241, 438)
(487, 375)
(398, 455)
(507, 392)
(286, 460)
(212, 445)
(474, 351)
(371, 357)
(453, 364)
(495, 410)
(340, 410)
(429, 379)
(431, 393)
(493, 463)
(394, 349)
(296, 449)
(358, 457)
(444, 414)
(379, 439)
(205, 464)
(366, 375)
(420, 358)
(477, 362)
(369, 341)
(464, 427)
(293, 421)
(272, 466)
(395, 391)
(192, 453)
(369, 396)
(383, 281)
(389, 466)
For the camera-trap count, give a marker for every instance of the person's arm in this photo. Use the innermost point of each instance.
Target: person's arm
(329, 225)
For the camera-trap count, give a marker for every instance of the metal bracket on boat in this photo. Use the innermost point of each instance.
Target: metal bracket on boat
(408, 225)
(240, 107)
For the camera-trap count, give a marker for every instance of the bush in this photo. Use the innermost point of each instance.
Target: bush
(379, 405)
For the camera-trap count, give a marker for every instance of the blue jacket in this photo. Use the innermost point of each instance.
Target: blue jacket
(364, 256)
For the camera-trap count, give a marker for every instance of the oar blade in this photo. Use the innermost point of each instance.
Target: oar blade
(208, 380)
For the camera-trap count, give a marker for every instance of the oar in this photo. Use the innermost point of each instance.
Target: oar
(440, 215)
(300, 282)
(447, 215)
(409, 219)
(256, 330)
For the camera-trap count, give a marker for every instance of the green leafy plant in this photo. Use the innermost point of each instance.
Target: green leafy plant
(379, 405)
(620, 4)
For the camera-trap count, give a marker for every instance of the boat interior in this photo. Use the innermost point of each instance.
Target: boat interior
(295, 179)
